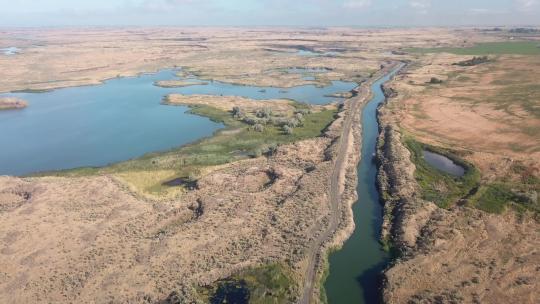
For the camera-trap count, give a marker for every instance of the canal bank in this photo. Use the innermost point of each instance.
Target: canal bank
(354, 270)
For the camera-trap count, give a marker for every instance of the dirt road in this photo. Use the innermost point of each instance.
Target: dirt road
(335, 193)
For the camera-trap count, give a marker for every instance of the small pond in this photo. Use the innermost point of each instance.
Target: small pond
(443, 163)
(309, 53)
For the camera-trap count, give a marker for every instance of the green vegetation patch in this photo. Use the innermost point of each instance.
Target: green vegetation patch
(270, 284)
(437, 186)
(493, 198)
(521, 194)
(487, 48)
(239, 140)
(496, 197)
(528, 175)
(474, 61)
(323, 298)
(32, 91)
(435, 80)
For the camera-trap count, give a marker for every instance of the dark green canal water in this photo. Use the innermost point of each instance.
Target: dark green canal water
(355, 269)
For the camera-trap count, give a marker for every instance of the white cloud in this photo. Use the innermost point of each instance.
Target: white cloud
(420, 6)
(356, 4)
(526, 3)
(479, 10)
(527, 6)
(166, 5)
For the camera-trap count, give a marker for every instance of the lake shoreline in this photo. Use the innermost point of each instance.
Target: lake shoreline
(43, 87)
(96, 99)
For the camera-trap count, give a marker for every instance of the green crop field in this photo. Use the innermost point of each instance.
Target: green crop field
(488, 48)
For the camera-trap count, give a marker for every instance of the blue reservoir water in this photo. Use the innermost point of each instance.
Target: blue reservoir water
(115, 121)
(355, 269)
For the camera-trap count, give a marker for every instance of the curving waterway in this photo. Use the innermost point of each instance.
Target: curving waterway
(355, 269)
(118, 120)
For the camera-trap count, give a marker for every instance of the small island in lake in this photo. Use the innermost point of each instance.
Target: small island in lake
(178, 83)
(12, 103)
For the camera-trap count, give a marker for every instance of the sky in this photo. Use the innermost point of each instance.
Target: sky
(16, 13)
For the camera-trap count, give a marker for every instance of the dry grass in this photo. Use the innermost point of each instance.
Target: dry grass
(150, 182)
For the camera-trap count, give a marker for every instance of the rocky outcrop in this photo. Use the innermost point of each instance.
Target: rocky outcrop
(389, 92)
(405, 211)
